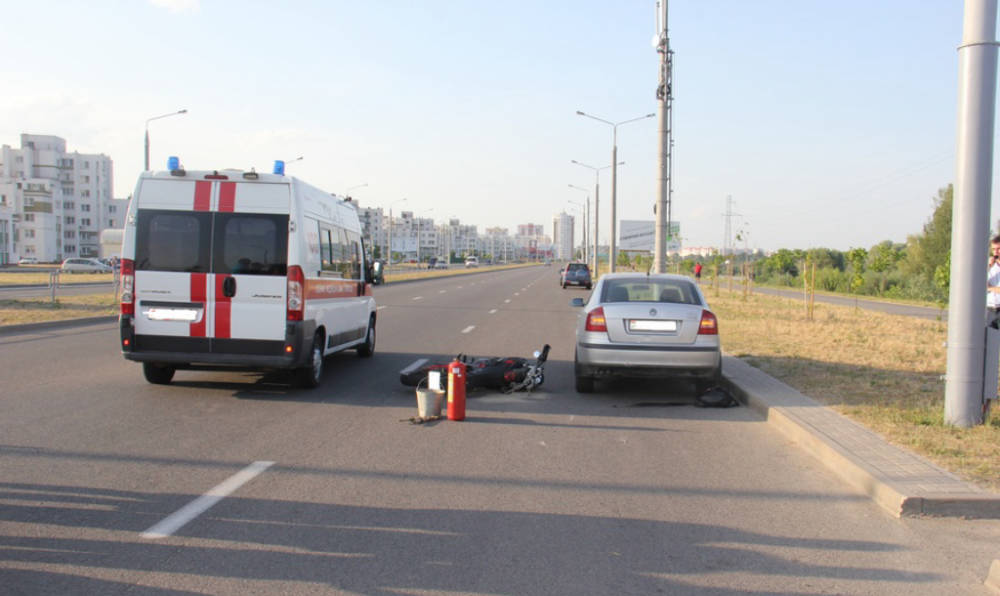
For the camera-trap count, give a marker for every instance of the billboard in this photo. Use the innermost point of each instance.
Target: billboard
(640, 235)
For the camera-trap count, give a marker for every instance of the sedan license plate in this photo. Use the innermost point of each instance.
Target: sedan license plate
(645, 325)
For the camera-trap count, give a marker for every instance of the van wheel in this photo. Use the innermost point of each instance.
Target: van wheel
(309, 375)
(158, 374)
(368, 348)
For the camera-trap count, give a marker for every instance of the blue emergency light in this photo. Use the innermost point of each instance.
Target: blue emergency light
(173, 163)
(279, 167)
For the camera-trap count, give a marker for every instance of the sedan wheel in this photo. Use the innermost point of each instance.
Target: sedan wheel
(584, 384)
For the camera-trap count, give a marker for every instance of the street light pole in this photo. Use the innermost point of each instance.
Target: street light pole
(613, 250)
(389, 258)
(586, 224)
(597, 212)
(148, 120)
(347, 192)
(583, 220)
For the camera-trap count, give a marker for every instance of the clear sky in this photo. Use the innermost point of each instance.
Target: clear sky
(829, 123)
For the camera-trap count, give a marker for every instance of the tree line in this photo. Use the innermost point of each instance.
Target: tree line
(918, 269)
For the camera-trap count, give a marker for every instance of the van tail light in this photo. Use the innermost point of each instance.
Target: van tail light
(709, 324)
(127, 278)
(296, 304)
(596, 320)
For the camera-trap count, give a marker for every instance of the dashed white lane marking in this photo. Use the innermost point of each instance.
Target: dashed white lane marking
(468, 329)
(493, 311)
(507, 301)
(517, 293)
(418, 297)
(176, 520)
(442, 291)
(379, 307)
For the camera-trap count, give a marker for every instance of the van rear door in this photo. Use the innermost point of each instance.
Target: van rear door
(210, 266)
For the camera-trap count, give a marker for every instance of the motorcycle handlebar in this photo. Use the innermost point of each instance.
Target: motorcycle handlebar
(544, 355)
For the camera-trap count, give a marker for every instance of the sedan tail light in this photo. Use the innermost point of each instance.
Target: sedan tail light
(709, 324)
(596, 320)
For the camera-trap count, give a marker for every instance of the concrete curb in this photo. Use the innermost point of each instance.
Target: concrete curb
(901, 482)
(993, 578)
(29, 327)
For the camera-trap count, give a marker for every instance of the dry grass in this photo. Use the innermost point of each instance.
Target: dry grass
(884, 371)
(41, 309)
(11, 279)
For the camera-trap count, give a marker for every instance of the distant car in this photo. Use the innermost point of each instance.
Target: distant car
(441, 264)
(27, 261)
(637, 325)
(471, 262)
(575, 274)
(82, 265)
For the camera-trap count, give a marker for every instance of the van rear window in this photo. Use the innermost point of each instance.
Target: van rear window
(172, 241)
(251, 243)
(183, 241)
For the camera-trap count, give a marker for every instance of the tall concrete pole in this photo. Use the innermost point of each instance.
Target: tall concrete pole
(613, 249)
(977, 80)
(597, 227)
(663, 99)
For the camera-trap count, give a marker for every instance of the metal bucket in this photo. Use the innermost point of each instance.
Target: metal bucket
(429, 402)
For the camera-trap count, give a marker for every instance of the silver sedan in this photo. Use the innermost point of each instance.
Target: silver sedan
(638, 325)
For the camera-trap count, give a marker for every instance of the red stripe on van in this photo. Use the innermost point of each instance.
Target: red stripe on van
(202, 195)
(199, 287)
(227, 196)
(223, 309)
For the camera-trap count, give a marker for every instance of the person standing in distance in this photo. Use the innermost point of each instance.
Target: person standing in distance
(993, 283)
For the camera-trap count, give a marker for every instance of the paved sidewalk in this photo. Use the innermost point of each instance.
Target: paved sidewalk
(902, 482)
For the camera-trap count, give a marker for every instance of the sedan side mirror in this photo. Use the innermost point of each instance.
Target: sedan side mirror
(576, 302)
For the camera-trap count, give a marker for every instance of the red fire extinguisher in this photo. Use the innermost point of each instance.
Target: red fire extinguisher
(456, 391)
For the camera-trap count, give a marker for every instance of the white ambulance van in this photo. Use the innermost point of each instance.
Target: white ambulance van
(239, 269)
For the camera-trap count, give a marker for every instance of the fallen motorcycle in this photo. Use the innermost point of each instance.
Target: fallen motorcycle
(504, 374)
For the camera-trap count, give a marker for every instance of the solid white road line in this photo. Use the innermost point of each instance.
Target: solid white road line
(468, 329)
(200, 505)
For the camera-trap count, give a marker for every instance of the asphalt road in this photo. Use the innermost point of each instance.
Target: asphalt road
(631, 490)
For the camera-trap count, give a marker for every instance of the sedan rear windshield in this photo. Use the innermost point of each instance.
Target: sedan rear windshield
(577, 267)
(668, 291)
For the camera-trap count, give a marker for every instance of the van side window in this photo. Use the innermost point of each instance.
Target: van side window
(172, 241)
(353, 259)
(329, 250)
(251, 243)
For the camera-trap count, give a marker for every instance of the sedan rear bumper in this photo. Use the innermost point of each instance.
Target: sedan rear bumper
(631, 360)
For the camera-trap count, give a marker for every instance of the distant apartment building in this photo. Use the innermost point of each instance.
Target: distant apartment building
(498, 245)
(54, 203)
(532, 243)
(563, 226)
